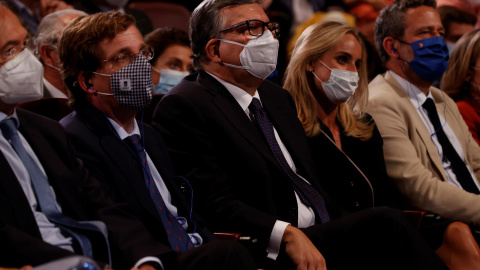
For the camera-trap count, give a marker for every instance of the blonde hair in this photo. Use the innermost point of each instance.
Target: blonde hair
(311, 45)
(462, 59)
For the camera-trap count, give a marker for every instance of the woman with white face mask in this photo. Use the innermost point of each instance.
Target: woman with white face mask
(328, 80)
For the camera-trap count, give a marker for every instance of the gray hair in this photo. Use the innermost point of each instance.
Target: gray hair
(206, 23)
(50, 27)
(391, 22)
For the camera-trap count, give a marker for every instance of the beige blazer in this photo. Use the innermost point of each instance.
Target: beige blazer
(411, 157)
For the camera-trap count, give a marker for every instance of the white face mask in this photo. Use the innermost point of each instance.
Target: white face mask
(117, 3)
(21, 79)
(340, 86)
(259, 55)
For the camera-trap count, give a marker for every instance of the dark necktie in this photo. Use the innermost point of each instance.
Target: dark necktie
(177, 237)
(45, 195)
(458, 166)
(307, 193)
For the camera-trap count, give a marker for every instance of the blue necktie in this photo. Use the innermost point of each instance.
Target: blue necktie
(307, 193)
(177, 237)
(458, 166)
(45, 195)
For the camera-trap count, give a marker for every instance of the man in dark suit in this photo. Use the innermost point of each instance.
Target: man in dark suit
(143, 23)
(250, 167)
(107, 95)
(44, 189)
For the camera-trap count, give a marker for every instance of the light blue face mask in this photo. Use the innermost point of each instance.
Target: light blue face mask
(168, 79)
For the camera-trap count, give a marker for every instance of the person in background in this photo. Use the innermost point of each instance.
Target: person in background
(172, 58)
(32, 11)
(46, 38)
(461, 81)
(93, 6)
(456, 23)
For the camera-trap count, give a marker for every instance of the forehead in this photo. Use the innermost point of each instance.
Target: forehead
(10, 28)
(422, 16)
(65, 19)
(129, 40)
(237, 14)
(349, 44)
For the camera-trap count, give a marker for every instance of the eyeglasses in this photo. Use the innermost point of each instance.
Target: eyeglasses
(125, 59)
(255, 27)
(12, 52)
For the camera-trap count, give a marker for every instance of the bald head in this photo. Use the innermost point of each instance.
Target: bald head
(12, 33)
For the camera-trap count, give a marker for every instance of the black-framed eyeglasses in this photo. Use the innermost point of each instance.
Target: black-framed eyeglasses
(255, 27)
(125, 59)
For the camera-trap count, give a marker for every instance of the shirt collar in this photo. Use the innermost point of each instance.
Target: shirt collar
(416, 96)
(4, 116)
(241, 96)
(121, 132)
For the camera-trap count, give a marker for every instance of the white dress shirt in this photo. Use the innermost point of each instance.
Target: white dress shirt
(54, 91)
(195, 238)
(306, 216)
(50, 233)
(417, 97)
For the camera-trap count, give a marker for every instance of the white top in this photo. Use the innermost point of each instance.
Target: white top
(49, 232)
(306, 216)
(54, 91)
(417, 97)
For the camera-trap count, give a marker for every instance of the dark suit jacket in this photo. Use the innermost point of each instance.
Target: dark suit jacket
(109, 160)
(142, 22)
(78, 194)
(238, 183)
(344, 181)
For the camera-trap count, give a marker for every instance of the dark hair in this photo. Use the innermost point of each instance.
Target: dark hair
(391, 22)
(162, 38)
(206, 23)
(78, 46)
(449, 14)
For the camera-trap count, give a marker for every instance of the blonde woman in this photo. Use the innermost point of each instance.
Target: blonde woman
(462, 80)
(328, 81)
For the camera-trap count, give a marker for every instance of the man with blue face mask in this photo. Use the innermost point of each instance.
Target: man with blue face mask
(239, 140)
(429, 152)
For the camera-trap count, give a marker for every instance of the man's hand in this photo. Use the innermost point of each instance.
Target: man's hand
(302, 251)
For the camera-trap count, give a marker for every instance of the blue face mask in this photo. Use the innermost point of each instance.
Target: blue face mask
(168, 79)
(431, 58)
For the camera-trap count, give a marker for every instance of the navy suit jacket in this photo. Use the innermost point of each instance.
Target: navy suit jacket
(109, 160)
(79, 196)
(239, 185)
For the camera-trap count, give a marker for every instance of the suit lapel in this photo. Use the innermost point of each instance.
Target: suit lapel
(229, 107)
(420, 127)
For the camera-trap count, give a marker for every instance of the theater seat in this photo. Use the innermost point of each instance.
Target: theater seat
(53, 108)
(163, 14)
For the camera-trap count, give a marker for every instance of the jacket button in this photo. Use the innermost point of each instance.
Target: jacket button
(357, 204)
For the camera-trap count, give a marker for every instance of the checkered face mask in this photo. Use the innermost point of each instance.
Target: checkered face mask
(132, 85)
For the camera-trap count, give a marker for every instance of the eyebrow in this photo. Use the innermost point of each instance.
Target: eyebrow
(11, 42)
(125, 49)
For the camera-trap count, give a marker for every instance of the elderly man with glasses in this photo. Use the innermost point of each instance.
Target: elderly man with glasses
(239, 141)
(105, 64)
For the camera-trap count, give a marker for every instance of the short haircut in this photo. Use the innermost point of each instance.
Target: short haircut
(78, 47)
(205, 24)
(162, 38)
(50, 28)
(391, 22)
(449, 14)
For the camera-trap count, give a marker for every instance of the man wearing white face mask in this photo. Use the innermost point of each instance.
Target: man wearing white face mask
(238, 139)
(46, 38)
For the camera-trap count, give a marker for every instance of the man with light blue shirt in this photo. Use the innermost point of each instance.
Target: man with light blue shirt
(429, 152)
(105, 65)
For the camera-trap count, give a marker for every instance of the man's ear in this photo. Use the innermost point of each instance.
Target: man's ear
(212, 50)
(389, 45)
(85, 83)
(46, 53)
